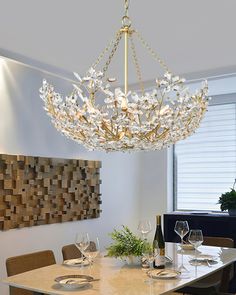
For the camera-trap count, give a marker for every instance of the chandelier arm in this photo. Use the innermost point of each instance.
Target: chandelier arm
(105, 50)
(113, 50)
(152, 52)
(126, 68)
(136, 64)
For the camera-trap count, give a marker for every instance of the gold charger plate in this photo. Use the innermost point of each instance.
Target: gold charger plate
(74, 281)
(163, 273)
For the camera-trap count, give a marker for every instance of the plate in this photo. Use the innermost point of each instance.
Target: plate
(205, 257)
(187, 247)
(74, 281)
(202, 261)
(163, 273)
(76, 262)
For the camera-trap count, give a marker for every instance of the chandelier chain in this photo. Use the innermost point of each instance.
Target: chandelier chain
(105, 50)
(126, 7)
(152, 52)
(137, 65)
(114, 48)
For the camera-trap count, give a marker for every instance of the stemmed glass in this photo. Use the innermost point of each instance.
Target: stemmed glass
(92, 251)
(144, 227)
(150, 253)
(181, 228)
(196, 239)
(82, 242)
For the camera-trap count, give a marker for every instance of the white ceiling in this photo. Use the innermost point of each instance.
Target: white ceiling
(192, 36)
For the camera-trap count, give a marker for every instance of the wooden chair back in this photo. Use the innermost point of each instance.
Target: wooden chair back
(226, 274)
(19, 264)
(218, 242)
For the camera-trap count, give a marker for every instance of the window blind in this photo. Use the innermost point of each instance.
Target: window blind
(205, 163)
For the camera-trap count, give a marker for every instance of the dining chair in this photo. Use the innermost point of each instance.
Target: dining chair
(218, 281)
(19, 264)
(72, 252)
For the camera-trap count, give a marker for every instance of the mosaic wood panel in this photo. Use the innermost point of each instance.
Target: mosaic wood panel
(37, 190)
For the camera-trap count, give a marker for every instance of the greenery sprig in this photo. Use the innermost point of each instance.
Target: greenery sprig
(125, 244)
(228, 200)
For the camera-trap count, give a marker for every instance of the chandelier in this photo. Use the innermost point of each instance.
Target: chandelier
(125, 120)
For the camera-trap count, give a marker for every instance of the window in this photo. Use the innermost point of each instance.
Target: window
(205, 163)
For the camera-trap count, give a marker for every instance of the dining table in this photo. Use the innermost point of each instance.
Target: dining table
(116, 277)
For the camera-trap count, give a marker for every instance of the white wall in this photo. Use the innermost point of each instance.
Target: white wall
(26, 129)
(155, 184)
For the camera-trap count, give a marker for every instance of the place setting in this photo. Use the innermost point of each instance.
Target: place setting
(82, 242)
(154, 258)
(89, 250)
(190, 249)
(155, 273)
(196, 239)
(72, 282)
(166, 271)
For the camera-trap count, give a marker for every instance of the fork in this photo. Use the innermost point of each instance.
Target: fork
(208, 263)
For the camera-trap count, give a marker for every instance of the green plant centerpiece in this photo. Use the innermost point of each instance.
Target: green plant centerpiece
(227, 201)
(127, 246)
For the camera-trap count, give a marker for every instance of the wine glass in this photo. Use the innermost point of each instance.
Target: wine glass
(144, 227)
(181, 228)
(196, 239)
(92, 250)
(82, 242)
(150, 253)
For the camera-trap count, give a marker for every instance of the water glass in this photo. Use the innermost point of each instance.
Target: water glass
(92, 250)
(149, 253)
(82, 242)
(196, 239)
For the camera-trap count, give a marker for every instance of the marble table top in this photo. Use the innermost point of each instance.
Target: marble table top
(117, 278)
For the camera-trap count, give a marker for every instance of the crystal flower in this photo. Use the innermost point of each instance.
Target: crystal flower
(148, 121)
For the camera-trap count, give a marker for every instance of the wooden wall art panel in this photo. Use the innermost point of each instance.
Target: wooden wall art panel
(37, 190)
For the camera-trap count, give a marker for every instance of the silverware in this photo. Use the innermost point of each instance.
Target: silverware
(81, 281)
(70, 281)
(93, 280)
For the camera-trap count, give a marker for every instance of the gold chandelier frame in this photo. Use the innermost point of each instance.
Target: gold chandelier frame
(126, 121)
